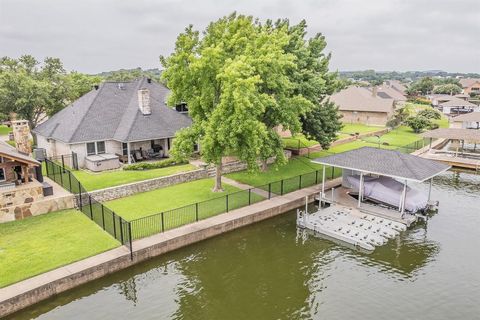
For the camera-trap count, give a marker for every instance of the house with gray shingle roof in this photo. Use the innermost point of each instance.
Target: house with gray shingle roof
(127, 121)
(360, 105)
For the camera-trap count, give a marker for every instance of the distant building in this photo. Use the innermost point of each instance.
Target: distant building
(466, 121)
(361, 105)
(470, 85)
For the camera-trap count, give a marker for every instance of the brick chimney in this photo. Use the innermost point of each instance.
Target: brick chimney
(374, 91)
(144, 101)
(21, 136)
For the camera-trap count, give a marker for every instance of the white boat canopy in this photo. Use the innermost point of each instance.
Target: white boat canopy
(388, 163)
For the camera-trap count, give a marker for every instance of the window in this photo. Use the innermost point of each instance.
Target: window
(124, 149)
(90, 148)
(95, 148)
(100, 147)
(2, 174)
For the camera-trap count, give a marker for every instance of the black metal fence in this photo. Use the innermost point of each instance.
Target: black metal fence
(103, 216)
(66, 160)
(160, 222)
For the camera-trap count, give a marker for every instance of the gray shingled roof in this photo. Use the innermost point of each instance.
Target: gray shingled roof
(361, 99)
(112, 113)
(384, 162)
(471, 116)
(472, 135)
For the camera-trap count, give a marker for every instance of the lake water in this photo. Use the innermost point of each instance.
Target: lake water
(272, 271)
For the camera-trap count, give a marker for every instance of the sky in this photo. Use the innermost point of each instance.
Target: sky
(92, 36)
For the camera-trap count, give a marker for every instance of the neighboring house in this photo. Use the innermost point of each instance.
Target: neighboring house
(455, 105)
(470, 85)
(389, 92)
(466, 121)
(126, 121)
(360, 105)
(396, 85)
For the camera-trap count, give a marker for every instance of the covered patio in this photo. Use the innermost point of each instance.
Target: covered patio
(378, 181)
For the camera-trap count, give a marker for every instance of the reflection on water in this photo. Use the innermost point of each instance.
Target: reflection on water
(271, 270)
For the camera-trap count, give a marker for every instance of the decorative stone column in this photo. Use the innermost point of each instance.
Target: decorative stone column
(21, 135)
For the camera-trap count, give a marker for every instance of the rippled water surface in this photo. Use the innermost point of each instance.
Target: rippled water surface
(272, 271)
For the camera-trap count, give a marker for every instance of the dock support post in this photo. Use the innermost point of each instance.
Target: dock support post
(404, 196)
(360, 191)
(306, 212)
(430, 189)
(323, 185)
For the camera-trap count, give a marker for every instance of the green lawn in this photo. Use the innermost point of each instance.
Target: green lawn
(298, 141)
(349, 128)
(400, 136)
(163, 199)
(38, 244)
(94, 181)
(4, 130)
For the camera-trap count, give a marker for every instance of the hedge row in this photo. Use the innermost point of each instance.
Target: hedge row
(153, 165)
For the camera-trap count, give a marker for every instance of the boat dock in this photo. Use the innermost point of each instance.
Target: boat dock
(351, 226)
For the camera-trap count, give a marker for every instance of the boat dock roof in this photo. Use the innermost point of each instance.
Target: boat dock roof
(390, 163)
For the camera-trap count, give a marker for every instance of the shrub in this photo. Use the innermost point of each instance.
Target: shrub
(430, 114)
(153, 165)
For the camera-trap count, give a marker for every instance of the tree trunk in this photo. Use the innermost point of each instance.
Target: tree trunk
(218, 178)
(264, 166)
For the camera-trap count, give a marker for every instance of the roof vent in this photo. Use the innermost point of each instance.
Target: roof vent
(144, 101)
(121, 86)
(96, 87)
(149, 80)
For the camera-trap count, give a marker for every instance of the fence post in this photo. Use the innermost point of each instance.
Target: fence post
(80, 194)
(90, 204)
(63, 164)
(300, 182)
(333, 172)
(163, 226)
(226, 198)
(316, 176)
(61, 177)
(103, 218)
(114, 226)
(46, 167)
(121, 230)
(70, 181)
(249, 196)
(281, 188)
(269, 190)
(196, 211)
(130, 239)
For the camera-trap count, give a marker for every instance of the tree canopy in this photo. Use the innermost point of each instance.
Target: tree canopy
(449, 88)
(421, 87)
(34, 90)
(241, 80)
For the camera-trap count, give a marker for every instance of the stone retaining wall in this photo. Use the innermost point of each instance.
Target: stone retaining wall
(38, 207)
(126, 190)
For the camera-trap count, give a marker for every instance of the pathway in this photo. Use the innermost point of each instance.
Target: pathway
(243, 186)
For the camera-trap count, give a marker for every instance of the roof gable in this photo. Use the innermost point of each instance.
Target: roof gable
(361, 99)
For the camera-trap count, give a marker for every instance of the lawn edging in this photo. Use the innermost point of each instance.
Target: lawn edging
(30, 291)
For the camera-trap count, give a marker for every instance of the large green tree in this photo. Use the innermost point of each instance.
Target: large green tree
(35, 90)
(421, 87)
(312, 79)
(241, 80)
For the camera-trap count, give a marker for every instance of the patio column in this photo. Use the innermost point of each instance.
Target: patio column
(128, 153)
(360, 191)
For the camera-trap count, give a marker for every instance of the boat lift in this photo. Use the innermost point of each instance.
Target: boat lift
(359, 223)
